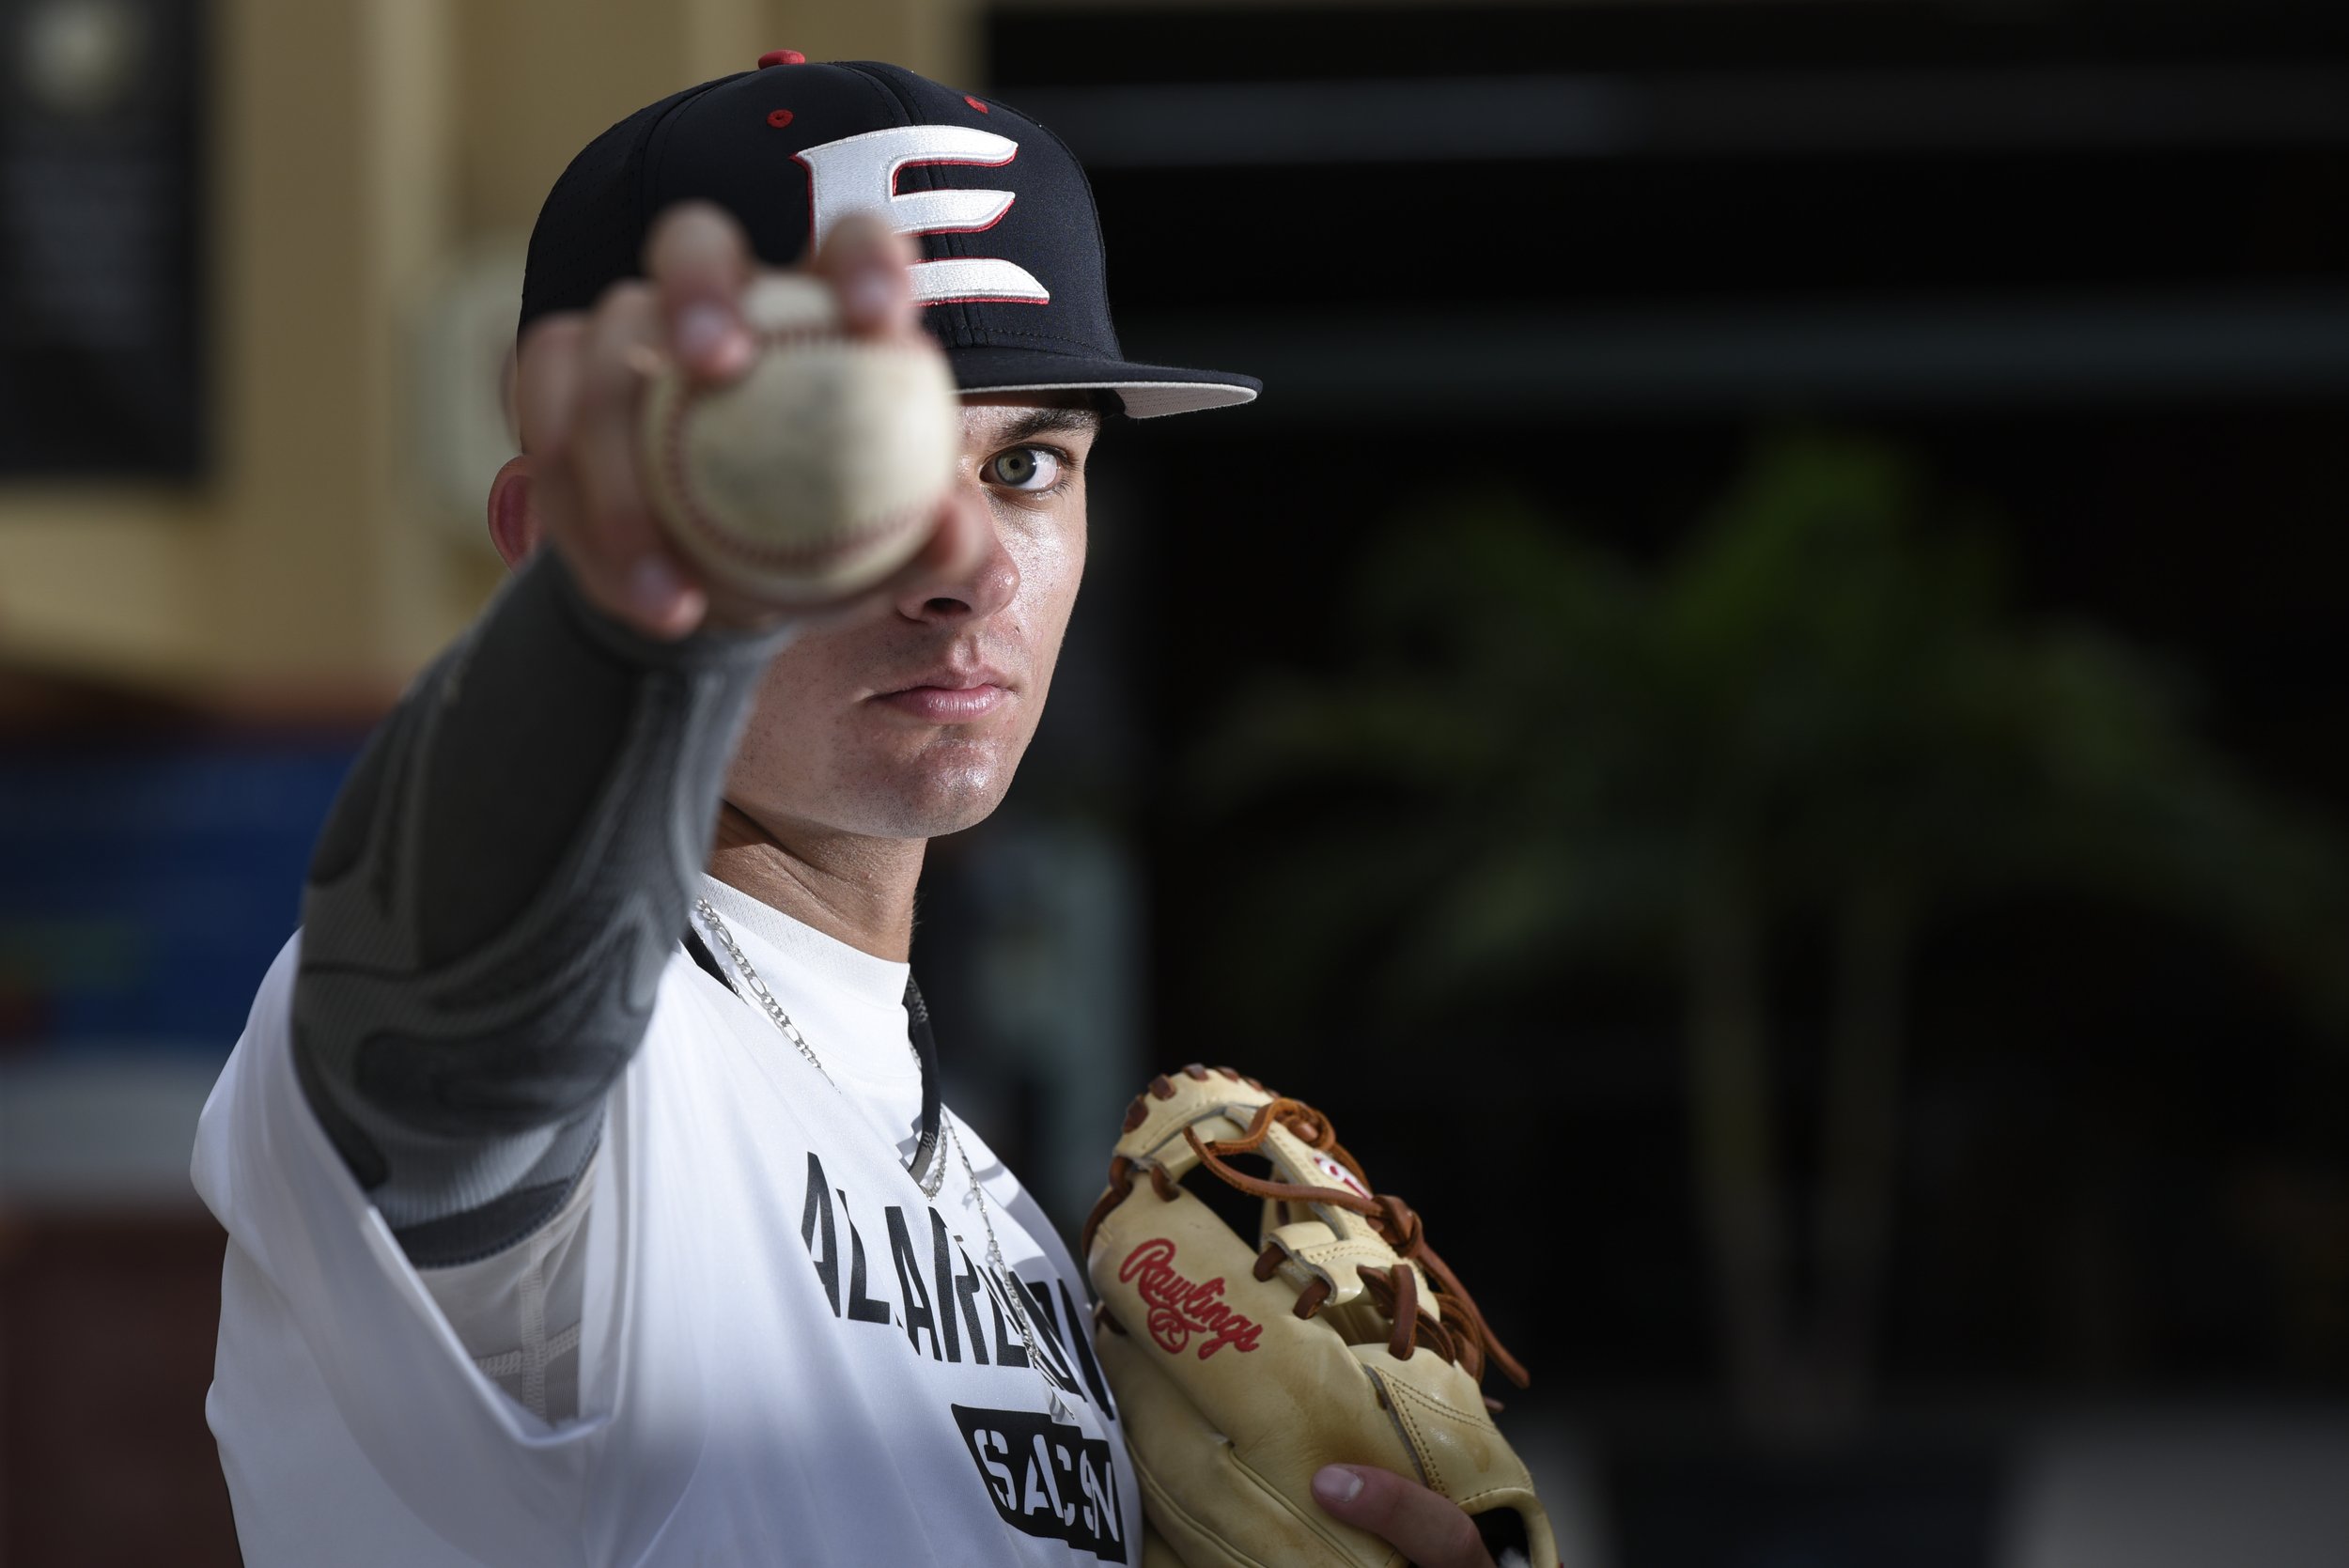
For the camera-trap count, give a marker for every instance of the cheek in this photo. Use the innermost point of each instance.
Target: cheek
(798, 702)
(1052, 560)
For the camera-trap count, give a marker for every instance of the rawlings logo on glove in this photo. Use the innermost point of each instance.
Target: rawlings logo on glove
(1179, 1309)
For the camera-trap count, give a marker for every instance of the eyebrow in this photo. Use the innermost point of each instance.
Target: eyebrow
(1039, 422)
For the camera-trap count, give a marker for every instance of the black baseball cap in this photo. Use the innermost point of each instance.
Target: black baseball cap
(1012, 275)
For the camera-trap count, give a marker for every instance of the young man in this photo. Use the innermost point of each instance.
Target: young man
(587, 1192)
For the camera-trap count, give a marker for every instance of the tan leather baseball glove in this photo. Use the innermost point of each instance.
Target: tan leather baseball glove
(1335, 1337)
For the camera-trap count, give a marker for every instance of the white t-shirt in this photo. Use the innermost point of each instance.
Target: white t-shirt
(782, 1352)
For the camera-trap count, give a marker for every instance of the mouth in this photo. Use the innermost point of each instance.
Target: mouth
(950, 694)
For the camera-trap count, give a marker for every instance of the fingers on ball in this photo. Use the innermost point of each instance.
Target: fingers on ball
(699, 261)
(865, 261)
(619, 546)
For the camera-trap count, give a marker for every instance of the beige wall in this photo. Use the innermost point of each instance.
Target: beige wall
(358, 146)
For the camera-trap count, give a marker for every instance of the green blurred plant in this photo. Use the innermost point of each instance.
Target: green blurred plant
(1819, 708)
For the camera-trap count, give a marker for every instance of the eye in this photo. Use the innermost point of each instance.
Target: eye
(1023, 468)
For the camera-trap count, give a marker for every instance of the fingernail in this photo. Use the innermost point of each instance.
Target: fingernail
(1336, 1483)
(653, 587)
(870, 294)
(707, 336)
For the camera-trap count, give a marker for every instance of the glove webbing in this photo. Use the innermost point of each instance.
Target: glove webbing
(1463, 1337)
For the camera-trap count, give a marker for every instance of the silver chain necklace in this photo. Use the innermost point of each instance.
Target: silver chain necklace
(766, 998)
(1014, 1294)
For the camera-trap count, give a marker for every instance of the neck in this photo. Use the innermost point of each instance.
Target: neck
(853, 889)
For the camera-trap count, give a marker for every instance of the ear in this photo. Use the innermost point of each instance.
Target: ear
(513, 525)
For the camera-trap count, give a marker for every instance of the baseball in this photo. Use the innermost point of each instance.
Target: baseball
(815, 474)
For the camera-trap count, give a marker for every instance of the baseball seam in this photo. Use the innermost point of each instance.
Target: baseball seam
(687, 503)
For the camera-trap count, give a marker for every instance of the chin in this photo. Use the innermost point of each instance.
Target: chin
(940, 797)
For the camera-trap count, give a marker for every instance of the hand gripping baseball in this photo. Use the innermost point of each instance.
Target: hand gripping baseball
(719, 439)
(1339, 1337)
(816, 473)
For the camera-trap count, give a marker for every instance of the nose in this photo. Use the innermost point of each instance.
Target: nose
(970, 583)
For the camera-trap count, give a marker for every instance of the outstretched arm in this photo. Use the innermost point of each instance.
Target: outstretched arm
(511, 864)
(495, 895)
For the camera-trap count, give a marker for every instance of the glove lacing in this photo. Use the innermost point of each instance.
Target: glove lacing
(1459, 1333)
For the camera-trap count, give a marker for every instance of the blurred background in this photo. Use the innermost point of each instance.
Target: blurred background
(1754, 713)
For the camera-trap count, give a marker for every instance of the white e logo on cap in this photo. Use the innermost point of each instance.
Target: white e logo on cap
(859, 174)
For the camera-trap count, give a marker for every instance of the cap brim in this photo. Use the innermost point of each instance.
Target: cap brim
(1148, 390)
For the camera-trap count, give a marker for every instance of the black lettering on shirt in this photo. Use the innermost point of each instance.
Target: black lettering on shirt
(1009, 1352)
(966, 1292)
(991, 1449)
(942, 1272)
(910, 1288)
(860, 1307)
(1099, 1485)
(1047, 1496)
(1080, 1341)
(1047, 1479)
(817, 1215)
(1046, 1322)
(941, 1300)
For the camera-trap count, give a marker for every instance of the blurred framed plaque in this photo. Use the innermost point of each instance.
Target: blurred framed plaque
(100, 170)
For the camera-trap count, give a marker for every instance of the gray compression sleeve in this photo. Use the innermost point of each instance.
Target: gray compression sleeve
(489, 907)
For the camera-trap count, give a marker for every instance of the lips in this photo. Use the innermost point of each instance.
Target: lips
(951, 694)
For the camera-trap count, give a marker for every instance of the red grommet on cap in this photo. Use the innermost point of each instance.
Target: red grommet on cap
(781, 57)
(975, 103)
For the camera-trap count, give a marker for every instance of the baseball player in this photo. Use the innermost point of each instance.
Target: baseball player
(588, 1194)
